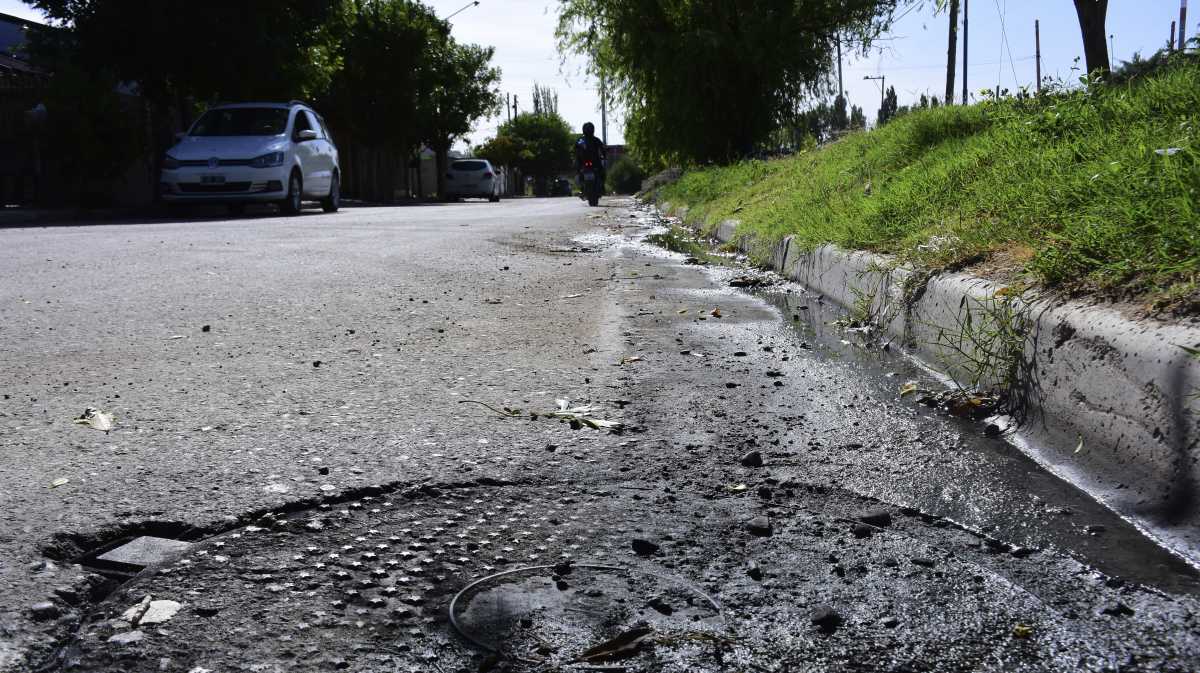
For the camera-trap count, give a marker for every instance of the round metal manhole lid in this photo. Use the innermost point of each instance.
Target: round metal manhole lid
(578, 615)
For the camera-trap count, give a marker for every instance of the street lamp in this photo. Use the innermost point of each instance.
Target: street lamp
(465, 8)
(882, 88)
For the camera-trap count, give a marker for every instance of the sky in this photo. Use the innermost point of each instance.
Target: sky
(912, 56)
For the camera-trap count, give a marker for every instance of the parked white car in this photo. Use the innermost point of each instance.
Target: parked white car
(254, 152)
(473, 178)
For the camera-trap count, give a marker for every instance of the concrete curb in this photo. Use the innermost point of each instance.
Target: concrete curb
(1087, 374)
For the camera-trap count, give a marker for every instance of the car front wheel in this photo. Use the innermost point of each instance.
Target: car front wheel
(291, 204)
(332, 202)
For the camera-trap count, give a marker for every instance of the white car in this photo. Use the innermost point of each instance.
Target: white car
(254, 152)
(476, 178)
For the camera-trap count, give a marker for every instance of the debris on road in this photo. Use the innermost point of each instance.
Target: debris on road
(61, 481)
(96, 419)
(623, 646)
(577, 416)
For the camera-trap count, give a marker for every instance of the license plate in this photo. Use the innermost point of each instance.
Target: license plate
(212, 179)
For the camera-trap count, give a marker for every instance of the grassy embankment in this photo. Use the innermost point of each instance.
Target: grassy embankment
(1095, 190)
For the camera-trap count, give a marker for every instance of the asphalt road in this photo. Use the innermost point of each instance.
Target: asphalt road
(328, 370)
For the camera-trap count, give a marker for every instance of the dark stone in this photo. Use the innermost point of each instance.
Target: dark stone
(890, 622)
(44, 611)
(754, 572)
(881, 518)
(661, 605)
(826, 619)
(862, 530)
(644, 547)
(1095, 529)
(752, 459)
(1118, 609)
(765, 492)
(206, 610)
(206, 328)
(923, 562)
(759, 526)
(1022, 552)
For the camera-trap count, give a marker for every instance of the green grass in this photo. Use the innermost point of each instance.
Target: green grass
(1068, 184)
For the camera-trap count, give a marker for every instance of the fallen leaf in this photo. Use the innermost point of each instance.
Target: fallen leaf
(624, 645)
(61, 481)
(737, 488)
(1079, 446)
(1022, 631)
(910, 387)
(682, 311)
(96, 419)
(716, 313)
(571, 296)
(630, 359)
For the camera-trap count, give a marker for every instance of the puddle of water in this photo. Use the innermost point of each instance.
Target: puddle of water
(986, 484)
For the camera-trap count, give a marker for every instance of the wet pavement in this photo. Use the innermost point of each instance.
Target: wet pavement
(772, 503)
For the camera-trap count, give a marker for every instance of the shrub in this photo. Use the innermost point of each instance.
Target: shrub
(625, 176)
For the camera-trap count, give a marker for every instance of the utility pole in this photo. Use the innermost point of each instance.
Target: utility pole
(515, 105)
(952, 52)
(508, 105)
(1171, 42)
(1037, 46)
(966, 4)
(1182, 25)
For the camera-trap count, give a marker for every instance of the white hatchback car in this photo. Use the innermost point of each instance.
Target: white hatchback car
(476, 178)
(254, 152)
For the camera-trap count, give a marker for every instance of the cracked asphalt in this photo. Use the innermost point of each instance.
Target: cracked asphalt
(297, 396)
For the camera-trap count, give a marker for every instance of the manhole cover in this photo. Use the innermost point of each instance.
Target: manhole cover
(553, 615)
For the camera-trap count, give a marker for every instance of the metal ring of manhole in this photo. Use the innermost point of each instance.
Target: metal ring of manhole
(550, 614)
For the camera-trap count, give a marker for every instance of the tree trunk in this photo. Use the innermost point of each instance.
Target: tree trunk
(952, 52)
(1092, 14)
(442, 159)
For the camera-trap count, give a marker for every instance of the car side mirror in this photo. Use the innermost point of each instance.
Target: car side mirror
(306, 134)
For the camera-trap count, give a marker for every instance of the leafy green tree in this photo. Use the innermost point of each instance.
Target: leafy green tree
(266, 49)
(461, 88)
(709, 80)
(372, 101)
(858, 120)
(890, 107)
(539, 145)
(625, 176)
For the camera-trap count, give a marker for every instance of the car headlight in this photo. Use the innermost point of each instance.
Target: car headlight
(170, 162)
(268, 160)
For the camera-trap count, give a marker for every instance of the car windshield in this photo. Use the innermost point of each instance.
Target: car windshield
(468, 165)
(246, 121)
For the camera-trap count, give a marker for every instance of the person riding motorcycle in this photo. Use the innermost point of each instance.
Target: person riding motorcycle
(590, 148)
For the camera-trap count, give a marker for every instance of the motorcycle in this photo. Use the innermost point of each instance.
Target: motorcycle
(590, 183)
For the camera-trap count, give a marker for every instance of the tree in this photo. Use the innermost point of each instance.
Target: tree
(545, 100)
(858, 120)
(890, 107)
(372, 100)
(840, 119)
(539, 145)
(461, 88)
(273, 49)
(710, 80)
(1092, 15)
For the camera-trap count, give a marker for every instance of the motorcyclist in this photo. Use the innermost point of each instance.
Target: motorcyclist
(590, 148)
